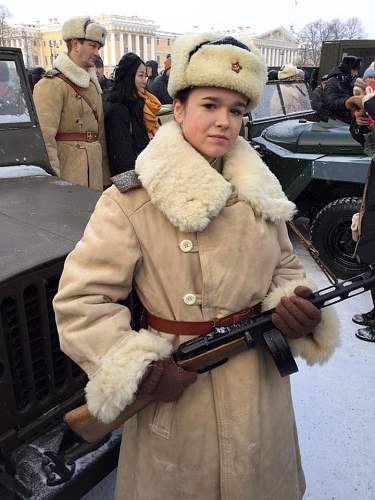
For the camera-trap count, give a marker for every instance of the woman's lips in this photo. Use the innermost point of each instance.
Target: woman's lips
(219, 138)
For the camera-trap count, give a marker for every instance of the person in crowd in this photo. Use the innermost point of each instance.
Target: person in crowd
(34, 75)
(363, 225)
(130, 114)
(339, 88)
(317, 100)
(105, 83)
(288, 72)
(69, 106)
(273, 75)
(11, 99)
(151, 72)
(199, 230)
(159, 86)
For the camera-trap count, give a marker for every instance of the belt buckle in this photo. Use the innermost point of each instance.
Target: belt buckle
(90, 137)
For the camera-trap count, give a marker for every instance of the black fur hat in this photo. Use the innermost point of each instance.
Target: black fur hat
(350, 62)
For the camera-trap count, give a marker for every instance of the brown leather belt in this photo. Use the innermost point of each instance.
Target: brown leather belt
(77, 136)
(198, 327)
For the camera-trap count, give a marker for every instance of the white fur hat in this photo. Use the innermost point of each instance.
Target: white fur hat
(213, 60)
(84, 27)
(287, 71)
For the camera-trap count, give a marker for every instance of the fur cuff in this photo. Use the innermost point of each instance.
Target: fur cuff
(114, 384)
(320, 345)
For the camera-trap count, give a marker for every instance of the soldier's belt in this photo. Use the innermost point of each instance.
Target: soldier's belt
(77, 136)
(198, 327)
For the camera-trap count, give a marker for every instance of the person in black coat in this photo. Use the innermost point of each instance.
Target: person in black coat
(339, 88)
(317, 100)
(126, 133)
(105, 83)
(159, 86)
(363, 133)
(151, 72)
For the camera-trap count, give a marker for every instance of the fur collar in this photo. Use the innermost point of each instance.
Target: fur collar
(190, 193)
(77, 75)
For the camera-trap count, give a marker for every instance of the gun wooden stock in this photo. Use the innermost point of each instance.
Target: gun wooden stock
(91, 429)
(83, 423)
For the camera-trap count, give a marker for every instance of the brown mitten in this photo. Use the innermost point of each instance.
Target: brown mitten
(165, 381)
(294, 316)
(354, 102)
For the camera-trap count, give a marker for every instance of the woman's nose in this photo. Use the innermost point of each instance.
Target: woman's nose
(222, 119)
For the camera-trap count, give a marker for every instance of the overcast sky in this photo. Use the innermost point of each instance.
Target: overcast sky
(182, 16)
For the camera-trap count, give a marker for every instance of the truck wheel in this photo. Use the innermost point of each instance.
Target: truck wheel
(331, 235)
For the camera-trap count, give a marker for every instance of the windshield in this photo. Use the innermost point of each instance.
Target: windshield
(13, 108)
(269, 104)
(296, 98)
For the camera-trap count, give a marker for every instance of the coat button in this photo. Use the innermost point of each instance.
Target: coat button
(190, 299)
(186, 246)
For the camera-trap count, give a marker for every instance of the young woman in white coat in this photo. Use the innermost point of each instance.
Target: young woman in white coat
(198, 230)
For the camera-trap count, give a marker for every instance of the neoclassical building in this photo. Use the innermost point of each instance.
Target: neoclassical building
(278, 46)
(41, 43)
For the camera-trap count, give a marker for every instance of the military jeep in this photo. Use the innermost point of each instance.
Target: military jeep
(319, 165)
(41, 219)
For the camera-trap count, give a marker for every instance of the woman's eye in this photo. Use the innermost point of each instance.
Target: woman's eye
(209, 106)
(236, 112)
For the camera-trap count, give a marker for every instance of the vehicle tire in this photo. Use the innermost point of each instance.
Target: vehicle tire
(331, 235)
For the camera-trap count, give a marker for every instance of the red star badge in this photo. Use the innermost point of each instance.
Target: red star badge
(236, 67)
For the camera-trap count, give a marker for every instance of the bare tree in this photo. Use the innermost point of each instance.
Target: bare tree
(314, 34)
(5, 29)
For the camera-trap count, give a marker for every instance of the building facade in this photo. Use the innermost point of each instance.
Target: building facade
(41, 44)
(278, 46)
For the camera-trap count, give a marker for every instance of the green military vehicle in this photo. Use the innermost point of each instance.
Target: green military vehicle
(320, 166)
(41, 219)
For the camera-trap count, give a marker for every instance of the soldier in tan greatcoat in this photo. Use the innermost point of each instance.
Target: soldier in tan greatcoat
(70, 111)
(199, 231)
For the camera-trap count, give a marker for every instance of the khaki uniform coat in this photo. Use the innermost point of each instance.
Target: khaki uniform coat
(61, 109)
(196, 245)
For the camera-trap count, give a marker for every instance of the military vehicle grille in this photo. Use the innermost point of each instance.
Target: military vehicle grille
(39, 371)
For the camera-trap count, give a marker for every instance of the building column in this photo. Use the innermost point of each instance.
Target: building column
(122, 48)
(137, 45)
(145, 48)
(153, 55)
(113, 49)
(106, 54)
(130, 44)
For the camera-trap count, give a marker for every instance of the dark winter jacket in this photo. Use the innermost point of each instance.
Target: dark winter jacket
(159, 88)
(365, 248)
(105, 83)
(125, 131)
(318, 104)
(338, 89)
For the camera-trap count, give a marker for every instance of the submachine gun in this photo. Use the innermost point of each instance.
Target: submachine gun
(223, 342)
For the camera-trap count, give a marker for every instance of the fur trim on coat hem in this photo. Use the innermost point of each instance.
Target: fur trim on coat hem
(320, 345)
(115, 383)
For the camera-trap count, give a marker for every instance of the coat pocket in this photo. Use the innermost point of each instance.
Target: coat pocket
(163, 419)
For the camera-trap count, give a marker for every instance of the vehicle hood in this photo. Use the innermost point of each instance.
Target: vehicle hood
(41, 219)
(301, 136)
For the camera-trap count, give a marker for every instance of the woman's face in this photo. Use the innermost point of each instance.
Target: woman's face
(140, 78)
(211, 119)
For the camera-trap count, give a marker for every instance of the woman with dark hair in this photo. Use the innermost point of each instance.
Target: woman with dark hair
(129, 114)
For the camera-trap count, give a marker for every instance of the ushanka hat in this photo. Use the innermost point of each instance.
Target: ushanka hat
(84, 28)
(211, 60)
(287, 71)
